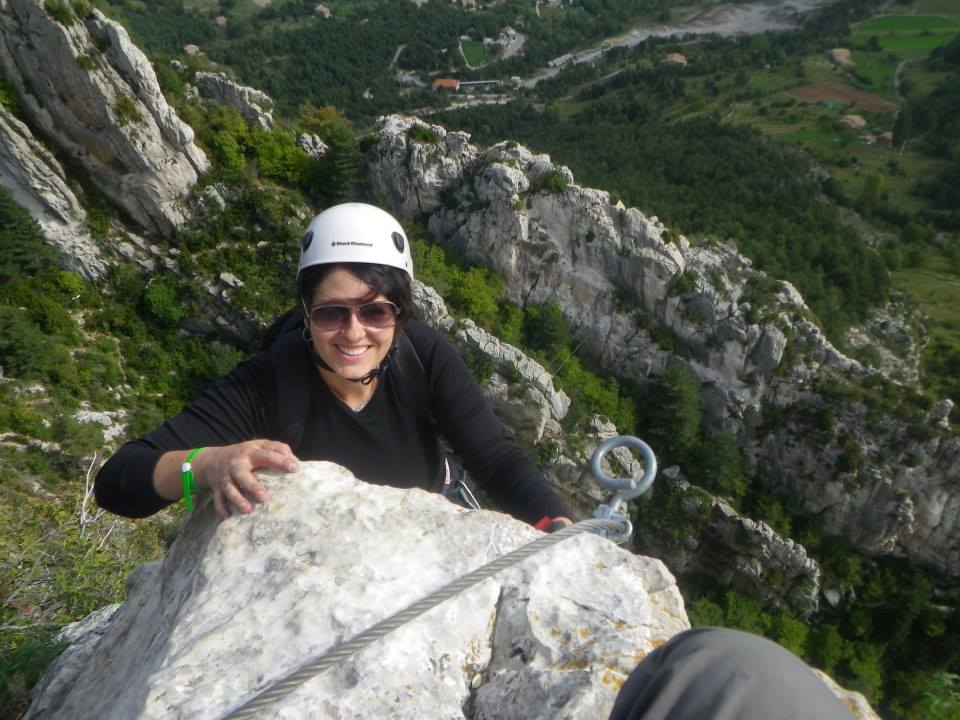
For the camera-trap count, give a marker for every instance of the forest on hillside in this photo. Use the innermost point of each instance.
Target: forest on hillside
(346, 61)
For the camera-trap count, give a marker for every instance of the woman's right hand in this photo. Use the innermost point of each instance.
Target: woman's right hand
(228, 472)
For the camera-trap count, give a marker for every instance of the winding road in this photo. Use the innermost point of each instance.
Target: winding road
(727, 20)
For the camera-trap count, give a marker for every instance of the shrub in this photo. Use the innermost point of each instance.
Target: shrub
(86, 61)
(422, 133)
(24, 251)
(83, 8)
(545, 329)
(716, 463)
(126, 110)
(825, 647)
(556, 183)
(162, 305)
(59, 11)
(24, 349)
(476, 295)
(21, 666)
(941, 697)
(682, 283)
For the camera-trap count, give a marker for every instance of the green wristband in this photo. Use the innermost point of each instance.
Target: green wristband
(189, 482)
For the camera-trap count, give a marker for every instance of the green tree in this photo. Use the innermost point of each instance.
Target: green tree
(673, 411)
(475, 295)
(716, 463)
(162, 305)
(24, 349)
(24, 251)
(790, 632)
(941, 697)
(545, 329)
(825, 646)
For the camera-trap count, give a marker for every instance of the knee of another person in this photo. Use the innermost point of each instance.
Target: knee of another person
(723, 673)
(733, 651)
(723, 639)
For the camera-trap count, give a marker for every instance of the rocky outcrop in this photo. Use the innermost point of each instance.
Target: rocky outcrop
(255, 106)
(527, 372)
(37, 182)
(436, 165)
(85, 87)
(638, 294)
(700, 534)
(312, 145)
(235, 605)
(890, 343)
(615, 273)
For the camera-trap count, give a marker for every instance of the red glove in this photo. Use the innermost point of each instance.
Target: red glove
(550, 525)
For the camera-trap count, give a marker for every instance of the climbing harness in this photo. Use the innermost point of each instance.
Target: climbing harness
(607, 522)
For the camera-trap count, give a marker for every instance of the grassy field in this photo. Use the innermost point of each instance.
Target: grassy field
(474, 52)
(906, 24)
(909, 32)
(935, 292)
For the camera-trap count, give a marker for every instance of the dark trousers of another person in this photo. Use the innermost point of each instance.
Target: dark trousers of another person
(719, 674)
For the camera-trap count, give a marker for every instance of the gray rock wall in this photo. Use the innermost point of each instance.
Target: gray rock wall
(37, 182)
(87, 88)
(625, 282)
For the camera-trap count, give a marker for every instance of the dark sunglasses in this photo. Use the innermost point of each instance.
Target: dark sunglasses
(377, 315)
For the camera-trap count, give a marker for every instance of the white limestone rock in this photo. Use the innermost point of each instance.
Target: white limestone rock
(312, 145)
(38, 183)
(395, 151)
(112, 421)
(255, 106)
(235, 605)
(430, 307)
(855, 703)
(504, 356)
(85, 85)
(940, 413)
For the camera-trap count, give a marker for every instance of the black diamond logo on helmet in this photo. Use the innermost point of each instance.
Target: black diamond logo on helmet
(397, 241)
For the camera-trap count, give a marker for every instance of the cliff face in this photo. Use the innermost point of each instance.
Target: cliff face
(887, 483)
(37, 182)
(86, 88)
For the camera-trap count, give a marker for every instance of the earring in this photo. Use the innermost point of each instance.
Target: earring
(306, 335)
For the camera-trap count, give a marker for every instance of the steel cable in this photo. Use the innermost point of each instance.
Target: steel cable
(292, 680)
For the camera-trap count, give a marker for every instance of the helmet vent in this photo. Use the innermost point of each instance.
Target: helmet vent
(398, 241)
(307, 239)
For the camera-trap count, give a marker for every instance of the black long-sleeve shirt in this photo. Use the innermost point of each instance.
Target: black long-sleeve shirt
(388, 442)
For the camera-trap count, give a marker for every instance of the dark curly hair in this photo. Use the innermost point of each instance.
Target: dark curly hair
(385, 280)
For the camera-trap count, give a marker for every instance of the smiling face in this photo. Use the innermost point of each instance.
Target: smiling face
(351, 350)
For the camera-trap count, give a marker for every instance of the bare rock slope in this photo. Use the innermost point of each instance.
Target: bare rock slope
(86, 88)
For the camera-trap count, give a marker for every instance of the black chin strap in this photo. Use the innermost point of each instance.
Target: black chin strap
(366, 379)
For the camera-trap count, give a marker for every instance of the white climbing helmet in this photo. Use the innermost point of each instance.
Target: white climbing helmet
(355, 233)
